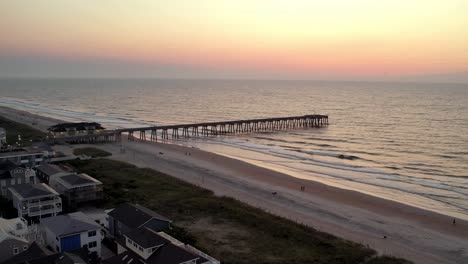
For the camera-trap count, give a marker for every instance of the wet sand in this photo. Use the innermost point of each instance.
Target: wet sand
(389, 227)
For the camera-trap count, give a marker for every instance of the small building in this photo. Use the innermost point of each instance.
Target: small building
(12, 174)
(143, 245)
(35, 200)
(20, 156)
(75, 129)
(2, 137)
(65, 233)
(12, 237)
(76, 188)
(45, 171)
(127, 217)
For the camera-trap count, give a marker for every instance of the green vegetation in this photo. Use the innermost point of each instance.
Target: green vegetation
(92, 152)
(225, 228)
(13, 129)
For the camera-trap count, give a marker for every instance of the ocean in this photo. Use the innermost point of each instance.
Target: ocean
(406, 142)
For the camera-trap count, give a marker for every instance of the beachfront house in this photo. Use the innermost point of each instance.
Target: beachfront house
(12, 237)
(127, 217)
(76, 188)
(12, 174)
(65, 233)
(35, 200)
(3, 141)
(143, 245)
(20, 156)
(75, 129)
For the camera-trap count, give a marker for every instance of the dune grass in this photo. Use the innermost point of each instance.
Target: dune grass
(13, 129)
(225, 228)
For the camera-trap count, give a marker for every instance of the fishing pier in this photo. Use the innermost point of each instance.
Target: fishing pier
(92, 134)
(223, 128)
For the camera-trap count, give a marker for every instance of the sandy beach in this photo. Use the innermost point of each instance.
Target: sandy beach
(389, 227)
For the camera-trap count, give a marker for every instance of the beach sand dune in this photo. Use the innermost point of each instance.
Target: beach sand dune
(389, 227)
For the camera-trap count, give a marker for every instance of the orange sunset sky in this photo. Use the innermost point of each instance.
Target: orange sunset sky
(305, 39)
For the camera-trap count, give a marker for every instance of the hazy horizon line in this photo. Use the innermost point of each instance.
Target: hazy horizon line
(2, 78)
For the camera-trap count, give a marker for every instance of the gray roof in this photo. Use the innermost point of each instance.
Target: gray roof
(146, 238)
(139, 215)
(76, 179)
(32, 190)
(49, 169)
(63, 225)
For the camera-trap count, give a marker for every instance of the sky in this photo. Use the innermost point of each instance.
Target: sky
(278, 39)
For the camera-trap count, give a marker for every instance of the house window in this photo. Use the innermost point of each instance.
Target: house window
(92, 233)
(31, 179)
(129, 241)
(25, 247)
(56, 247)
(19, 180)
(15, 251)
(140, 248)
(92, 244)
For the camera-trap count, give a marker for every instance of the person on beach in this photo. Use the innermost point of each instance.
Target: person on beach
(454, 222)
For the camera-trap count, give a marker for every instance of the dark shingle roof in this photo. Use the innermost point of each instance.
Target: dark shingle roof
(33, 252)
(5, 174)
(134, 215)
(49, 169)
(6, 167)
(32, 190)
(167, 254)
(76, 179)
(60, 258)
(171, 254)
(146, 238)
(78, 126)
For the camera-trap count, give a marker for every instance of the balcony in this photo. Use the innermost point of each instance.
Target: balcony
(33, 203)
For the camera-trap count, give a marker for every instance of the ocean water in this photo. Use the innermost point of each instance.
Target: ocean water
(401, 141)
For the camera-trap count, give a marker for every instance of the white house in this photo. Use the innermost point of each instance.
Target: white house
(144, 245)
(13, 174)
(69, 232)
(27, 157)
(35, 200)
